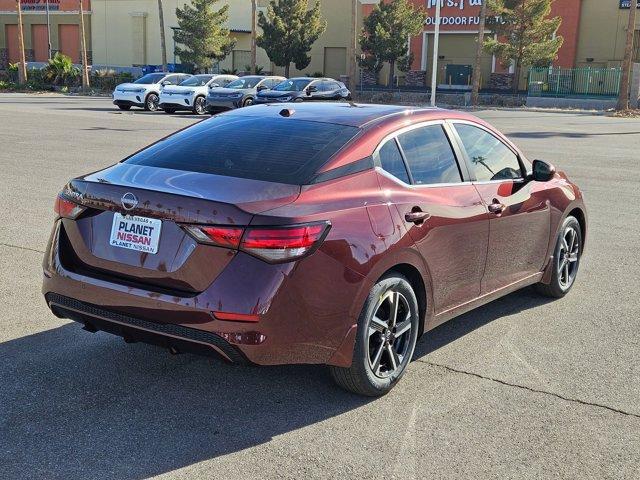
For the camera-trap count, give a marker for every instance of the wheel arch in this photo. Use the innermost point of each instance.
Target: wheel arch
(580, 215)
(416, 280)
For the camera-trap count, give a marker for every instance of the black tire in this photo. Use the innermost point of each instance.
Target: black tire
(362, 377)
(566, 261)
(124, 107)
(151, 102)
(200, 106)
(169, 111)
(298, 100)
(248, 102)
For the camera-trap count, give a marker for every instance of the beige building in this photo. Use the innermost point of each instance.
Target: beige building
(126, 33)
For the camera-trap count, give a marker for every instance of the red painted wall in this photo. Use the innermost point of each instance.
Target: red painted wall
(461, 16)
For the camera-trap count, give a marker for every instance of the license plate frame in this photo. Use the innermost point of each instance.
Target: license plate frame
(133, 232)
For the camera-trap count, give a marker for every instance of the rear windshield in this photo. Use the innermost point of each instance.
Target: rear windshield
(282, 150)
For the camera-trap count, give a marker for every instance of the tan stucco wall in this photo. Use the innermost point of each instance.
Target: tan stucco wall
(120, 25)
(602, 33)
(126, 32)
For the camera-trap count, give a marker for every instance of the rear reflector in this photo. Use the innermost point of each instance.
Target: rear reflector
(272, 244)
(236, 317)
(67, 209)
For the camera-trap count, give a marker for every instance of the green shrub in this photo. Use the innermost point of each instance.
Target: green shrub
(61, 71)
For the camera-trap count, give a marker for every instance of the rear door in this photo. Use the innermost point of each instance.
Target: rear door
(441, 210)
(518, 210)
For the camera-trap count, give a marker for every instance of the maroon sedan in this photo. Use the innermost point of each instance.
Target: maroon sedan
(329, 234)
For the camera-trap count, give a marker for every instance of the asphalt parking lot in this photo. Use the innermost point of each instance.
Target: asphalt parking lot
(521, 388)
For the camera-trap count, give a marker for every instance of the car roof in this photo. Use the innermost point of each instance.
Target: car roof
(342, 113)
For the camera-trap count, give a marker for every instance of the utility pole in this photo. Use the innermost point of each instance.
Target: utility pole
(353, 46)
(476, 68)
(434, 68)
(623, 99)
(83, 46)
(163, 43)
(22, 66)
(254, 60)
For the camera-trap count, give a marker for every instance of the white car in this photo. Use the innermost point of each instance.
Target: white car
(191, 94)
(145, 92)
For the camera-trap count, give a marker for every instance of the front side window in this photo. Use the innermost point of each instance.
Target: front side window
(490, 158)
(196, 81)
(391, 161)
(429, 156)
(247, 82)
(150, 78)
(293, 85)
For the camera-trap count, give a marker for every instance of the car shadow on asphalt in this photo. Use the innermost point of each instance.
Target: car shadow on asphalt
(75, 405)
(452, 330)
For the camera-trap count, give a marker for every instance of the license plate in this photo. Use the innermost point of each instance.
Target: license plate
(135, 233)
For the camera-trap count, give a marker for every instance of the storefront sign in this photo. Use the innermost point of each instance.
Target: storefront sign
(626, 4)
(39, 5)
(456, 14)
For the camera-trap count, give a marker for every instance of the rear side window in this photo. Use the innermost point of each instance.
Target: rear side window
(490, 158)
(391, 161)
(429, 156)
(273, 149)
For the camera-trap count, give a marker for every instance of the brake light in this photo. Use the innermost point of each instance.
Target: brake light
(67, 209)
(272, 244)
(282, 244)
(228, 237)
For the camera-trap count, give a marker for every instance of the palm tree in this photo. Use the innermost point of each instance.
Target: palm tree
(22, 64)
(83, 46)
(163, 43)
(253, 37)
(623, 99)
(479, 48)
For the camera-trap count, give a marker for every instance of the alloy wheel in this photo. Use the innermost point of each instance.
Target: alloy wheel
(568, 258)
(389, 334)
(200, 106)
(152, 102)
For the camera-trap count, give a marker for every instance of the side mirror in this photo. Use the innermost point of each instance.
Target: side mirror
(213, 85)
(542, 171)
(311, 89)
(262, 88)
(166, 82)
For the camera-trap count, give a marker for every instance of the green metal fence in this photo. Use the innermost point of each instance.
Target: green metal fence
(574, 82)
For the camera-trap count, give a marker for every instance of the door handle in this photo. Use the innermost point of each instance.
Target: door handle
(417, 217)
(496, 207)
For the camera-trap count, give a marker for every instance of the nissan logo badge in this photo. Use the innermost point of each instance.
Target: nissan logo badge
(129, 201)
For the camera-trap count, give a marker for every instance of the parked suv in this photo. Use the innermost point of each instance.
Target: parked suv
(305, 89)
(192, 93)
(240, 93)
(145, 91)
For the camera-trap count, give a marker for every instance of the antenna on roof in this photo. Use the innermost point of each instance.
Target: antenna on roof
(287, 112)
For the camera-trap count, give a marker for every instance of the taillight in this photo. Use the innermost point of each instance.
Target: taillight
(67, 209)
(220, 236)
(272, 244)
(282, 244)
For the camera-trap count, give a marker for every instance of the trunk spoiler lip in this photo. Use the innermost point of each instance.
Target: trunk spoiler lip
(251, 196)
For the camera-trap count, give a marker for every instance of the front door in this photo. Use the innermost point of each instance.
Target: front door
(442, 212)
(518, 211)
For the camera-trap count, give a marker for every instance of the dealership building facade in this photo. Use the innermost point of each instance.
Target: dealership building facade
(126, 33)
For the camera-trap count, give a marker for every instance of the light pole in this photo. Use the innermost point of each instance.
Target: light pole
(254, 54)
(434, 68)
(353, 45)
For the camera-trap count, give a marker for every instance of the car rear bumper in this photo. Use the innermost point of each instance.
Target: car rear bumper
(303, 318)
